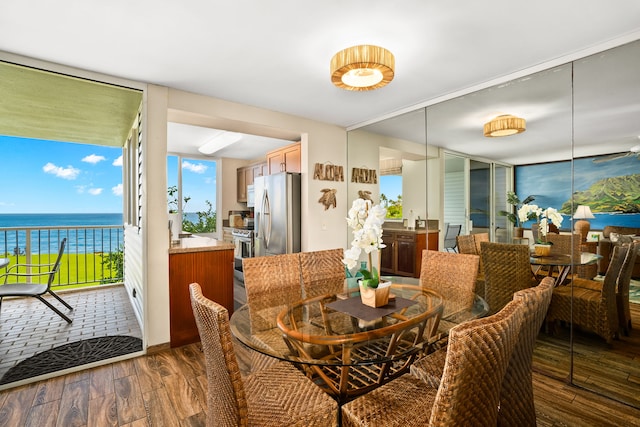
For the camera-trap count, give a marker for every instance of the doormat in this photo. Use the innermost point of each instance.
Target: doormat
(73, 354)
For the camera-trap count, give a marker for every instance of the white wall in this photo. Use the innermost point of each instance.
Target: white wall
(320, 143)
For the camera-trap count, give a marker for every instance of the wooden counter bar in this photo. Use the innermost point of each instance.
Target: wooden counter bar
(403, 254)
(208, 262)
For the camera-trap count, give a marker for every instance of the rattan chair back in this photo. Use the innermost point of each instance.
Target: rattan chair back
(592, 309)
(565, 244)
(622, 288)
(274, 397)
(507, 269)
(466, 244)
(322, 272)
(271, 283)
(226, 399)
(516, 397)
(452, 275)
(477, 358)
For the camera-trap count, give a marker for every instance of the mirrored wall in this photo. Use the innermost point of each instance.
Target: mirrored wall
(582, 132)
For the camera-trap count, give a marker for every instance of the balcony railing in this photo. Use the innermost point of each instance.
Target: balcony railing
(93, 254)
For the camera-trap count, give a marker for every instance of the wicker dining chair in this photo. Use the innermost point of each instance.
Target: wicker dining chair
(592, 309)
(466, 244)
(276, 396)
(469, 393)
(507, 269)
(562, 244)
(271, 283)
(452, 275)
(470, 244)
(322, 272)
(516, 397)
(516, 405)
(622, 288)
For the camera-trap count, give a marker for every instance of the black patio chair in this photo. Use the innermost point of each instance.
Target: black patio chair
(450, 243)
(30, 289)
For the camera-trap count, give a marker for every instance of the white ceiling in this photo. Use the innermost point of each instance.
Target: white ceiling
(276, 54)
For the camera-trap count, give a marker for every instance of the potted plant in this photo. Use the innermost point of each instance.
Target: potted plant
(514, 201)
(366, 219)
(175, 217)
(542, 217)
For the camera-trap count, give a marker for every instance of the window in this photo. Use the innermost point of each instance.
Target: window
(192, 191)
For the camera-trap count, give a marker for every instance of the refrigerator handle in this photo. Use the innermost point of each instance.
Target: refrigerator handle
(265, 220)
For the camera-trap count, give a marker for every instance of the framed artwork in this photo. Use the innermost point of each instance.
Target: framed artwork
(610, 188)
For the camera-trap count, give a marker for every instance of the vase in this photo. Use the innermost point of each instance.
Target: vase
(542, 249)
(518, 232)
(375, 297)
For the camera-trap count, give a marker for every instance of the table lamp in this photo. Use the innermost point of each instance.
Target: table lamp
(582, 226)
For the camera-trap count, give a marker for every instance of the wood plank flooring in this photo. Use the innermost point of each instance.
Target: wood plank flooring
(169, 389)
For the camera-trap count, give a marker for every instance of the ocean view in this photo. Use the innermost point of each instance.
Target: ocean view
(47, 240)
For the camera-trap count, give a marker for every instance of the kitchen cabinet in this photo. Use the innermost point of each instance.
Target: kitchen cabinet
(402, 255)
(241, 182)
(285, 159)
(246, 176)
(213, 270)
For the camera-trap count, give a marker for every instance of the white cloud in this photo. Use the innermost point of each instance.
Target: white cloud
(118, 161)
(69, 172)
(95, 191)
(199, 168)
(117, 190)
(93, 159)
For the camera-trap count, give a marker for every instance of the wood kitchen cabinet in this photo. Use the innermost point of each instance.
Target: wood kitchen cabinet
(285, 159)
(403, 254)
(246, 176)
(213, 270)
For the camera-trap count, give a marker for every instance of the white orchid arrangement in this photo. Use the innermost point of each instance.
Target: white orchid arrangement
(542, 218)
(365, 219)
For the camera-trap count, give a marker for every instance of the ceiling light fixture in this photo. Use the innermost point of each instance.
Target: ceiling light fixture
(218, 142)
(363, 67)
(504, 125)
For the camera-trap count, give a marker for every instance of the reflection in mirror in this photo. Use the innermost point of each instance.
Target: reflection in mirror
(395, 149)
(581, 134)
(480, 170)
(607, 107)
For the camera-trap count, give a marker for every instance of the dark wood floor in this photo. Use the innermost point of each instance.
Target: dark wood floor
(169, 388)
(612, 370)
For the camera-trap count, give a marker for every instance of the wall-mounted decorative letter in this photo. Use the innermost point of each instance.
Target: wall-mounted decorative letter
(364, 176)
(328, 198)
(328, 172)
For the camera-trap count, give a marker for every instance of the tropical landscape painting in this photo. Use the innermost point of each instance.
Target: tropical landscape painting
(610, 188)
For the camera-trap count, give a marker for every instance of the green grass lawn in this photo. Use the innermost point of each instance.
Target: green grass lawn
(76, 270)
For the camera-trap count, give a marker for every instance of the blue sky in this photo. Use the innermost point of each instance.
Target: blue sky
(41, 176)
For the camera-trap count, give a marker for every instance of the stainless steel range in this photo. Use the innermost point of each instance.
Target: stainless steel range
(243, 241)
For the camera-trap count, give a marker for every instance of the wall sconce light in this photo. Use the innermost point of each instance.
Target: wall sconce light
(504, 125)
(363, 67)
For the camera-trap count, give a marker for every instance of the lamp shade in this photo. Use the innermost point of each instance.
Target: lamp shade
(504, 125)
(363, 67)
(583, 212)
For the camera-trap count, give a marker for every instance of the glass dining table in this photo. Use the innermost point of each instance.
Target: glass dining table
(348, 348)
(564, 263)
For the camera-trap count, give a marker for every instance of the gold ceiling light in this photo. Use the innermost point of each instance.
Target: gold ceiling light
(363, 67)
(505, 125)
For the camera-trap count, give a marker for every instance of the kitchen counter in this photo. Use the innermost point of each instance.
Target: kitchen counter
(199, 244)
(204, 260)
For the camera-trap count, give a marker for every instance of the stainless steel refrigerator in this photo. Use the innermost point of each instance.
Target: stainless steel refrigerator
(277, 214)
